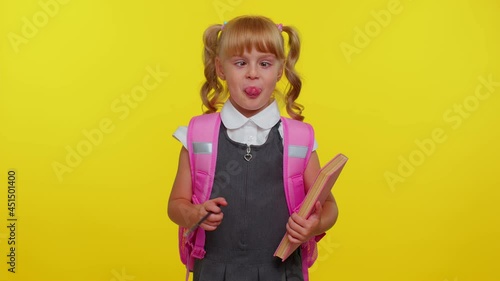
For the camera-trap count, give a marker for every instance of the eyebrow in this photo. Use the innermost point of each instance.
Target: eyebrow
(266, 56)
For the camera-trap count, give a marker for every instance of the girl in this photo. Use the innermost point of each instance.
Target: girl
(244, 59)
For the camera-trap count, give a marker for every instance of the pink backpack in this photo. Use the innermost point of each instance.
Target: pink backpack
(202, 140)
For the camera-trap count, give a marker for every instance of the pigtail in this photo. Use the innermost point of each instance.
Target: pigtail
(211, 91)
(293, 90)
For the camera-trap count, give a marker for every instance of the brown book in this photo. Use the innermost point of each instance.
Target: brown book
(319, 191)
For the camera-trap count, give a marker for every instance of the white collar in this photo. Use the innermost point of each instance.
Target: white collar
(265, 119)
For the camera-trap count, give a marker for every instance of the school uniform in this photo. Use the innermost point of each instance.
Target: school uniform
(242, 246)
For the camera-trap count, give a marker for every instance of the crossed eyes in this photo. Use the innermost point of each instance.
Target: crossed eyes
(243, 63)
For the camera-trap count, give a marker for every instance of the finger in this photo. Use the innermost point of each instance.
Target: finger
(214, 205)
(300, 221)
(318, 208)
(297, 228)
(293, 235)
(207, 227)
(211, 207)
(213, 224)
(212, 221)
(220, 201)
(294, 240)
(215, 217)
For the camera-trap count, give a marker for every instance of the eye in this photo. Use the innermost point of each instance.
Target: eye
(265, 64)
(240, 63)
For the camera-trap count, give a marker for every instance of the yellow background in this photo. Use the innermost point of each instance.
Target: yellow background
(394, 100)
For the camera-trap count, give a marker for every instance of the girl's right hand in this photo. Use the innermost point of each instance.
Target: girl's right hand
(214, 219)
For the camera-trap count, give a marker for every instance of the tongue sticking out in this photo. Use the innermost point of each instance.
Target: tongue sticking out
(252, 91)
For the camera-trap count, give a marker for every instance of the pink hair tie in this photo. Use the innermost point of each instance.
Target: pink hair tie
(280, 27)
(222, 26)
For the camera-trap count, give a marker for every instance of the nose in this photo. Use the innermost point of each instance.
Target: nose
(252, 71)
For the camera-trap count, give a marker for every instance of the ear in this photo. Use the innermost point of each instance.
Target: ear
(218, 68)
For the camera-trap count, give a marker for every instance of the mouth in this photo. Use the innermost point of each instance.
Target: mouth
(253, 92)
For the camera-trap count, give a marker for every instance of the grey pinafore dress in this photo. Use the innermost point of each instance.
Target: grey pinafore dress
(242, 246)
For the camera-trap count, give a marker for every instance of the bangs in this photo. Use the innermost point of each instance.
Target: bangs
(245, 34)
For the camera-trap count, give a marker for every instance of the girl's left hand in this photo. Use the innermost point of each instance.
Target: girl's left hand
(300, 230)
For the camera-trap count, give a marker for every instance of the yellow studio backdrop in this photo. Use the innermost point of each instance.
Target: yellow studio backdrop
(91, 91)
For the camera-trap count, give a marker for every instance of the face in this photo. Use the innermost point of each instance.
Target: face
(251, 79)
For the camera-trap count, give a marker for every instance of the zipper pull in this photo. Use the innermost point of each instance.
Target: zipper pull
(248, 156)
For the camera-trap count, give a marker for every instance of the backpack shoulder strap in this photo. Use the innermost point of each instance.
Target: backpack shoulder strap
(202, 140)
(297, 148)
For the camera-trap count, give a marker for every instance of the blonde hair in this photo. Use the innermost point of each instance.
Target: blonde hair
(242, 34)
